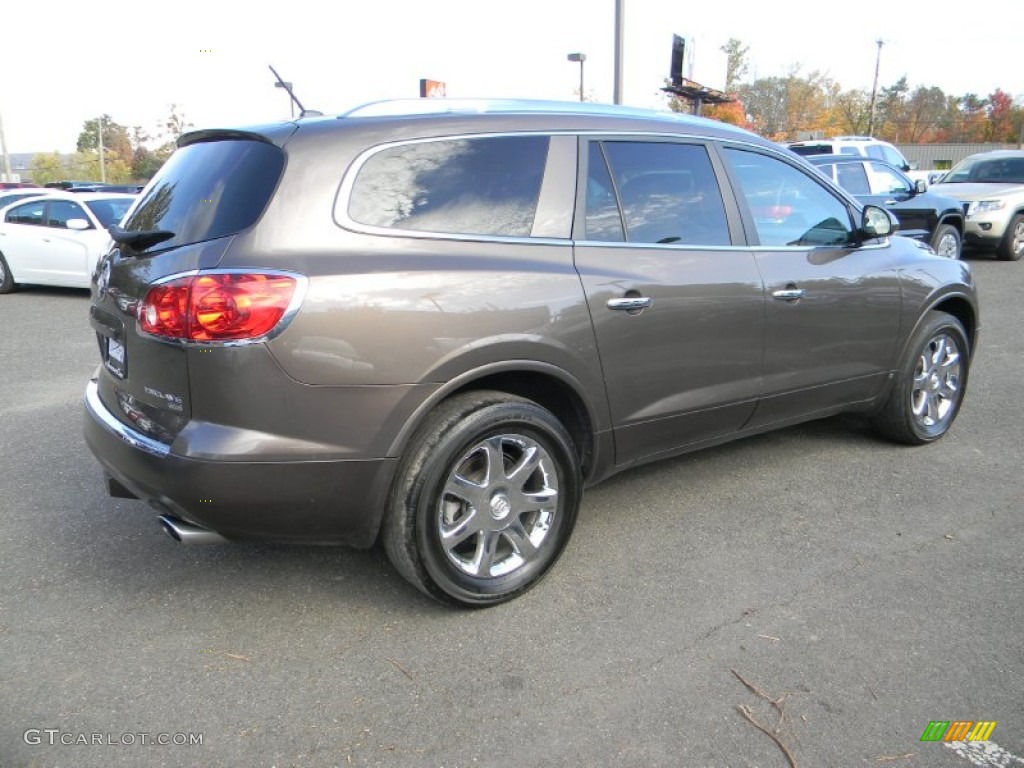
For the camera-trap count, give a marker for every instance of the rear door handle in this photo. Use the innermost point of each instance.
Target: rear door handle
(789, 294)
(631, 304)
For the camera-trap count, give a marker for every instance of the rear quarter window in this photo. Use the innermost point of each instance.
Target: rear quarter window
(471, 186)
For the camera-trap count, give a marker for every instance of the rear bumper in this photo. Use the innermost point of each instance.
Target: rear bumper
(327, 502)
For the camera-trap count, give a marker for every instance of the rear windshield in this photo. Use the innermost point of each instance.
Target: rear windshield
(209, 190)
(812, 149)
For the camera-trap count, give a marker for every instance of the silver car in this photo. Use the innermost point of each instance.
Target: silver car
(434, 323)
(990, 185)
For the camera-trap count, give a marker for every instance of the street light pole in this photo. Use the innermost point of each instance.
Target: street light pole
(103, 167)
(580, 57)
(620, 33)
(874, 89)
(9, 176)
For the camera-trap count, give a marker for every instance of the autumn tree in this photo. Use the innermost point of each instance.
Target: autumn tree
(46, 167)
(1003, 120)
(736, 63)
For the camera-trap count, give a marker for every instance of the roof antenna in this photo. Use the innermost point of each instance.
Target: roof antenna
(303, 112)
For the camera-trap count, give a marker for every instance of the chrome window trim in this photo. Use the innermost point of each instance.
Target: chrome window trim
(344, 194)
(301, 288)
(121, 431)
(659, 246)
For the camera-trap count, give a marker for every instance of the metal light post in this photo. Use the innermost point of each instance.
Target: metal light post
(287, 87)
(620, 35)
(99, 133)
(874, 89)
(580, 57)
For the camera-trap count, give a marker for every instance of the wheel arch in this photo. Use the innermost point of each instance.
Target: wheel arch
(963, 310)
(954, 219)
(543, 383)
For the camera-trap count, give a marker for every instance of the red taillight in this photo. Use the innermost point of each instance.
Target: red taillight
(217, 307)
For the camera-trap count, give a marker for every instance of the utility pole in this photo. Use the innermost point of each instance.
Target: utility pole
(874, 89)
(3, 148)
(620, 32)
(103, 167)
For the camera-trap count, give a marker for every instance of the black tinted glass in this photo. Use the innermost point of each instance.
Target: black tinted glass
(853, 178)
(209, 190)
(62, 210)
(478, 186)
(669, 193)
(29, 213)
(603, 222)
(110, 211)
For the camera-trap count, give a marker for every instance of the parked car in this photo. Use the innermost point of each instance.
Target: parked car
(132, 189)
(990, 186)
(75, 186)
(437, 321)
(9, 196)
(860, 146)
(926, 216)
(56, 239)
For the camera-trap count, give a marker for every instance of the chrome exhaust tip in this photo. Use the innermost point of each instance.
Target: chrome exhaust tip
(186, 533)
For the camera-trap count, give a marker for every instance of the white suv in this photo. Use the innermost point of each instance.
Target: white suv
(864, 146)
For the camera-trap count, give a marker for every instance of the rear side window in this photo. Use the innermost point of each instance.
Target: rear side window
(853, 178)
(208, 190)
(473, 186)
(29, 213)
(668, 194)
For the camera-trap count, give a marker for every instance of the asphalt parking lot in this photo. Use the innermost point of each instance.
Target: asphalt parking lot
(838, 591)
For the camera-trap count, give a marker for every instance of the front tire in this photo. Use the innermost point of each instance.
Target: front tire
(1012, 245)
(929, 387)
(7, 283)
(484, 501)
(946, 241)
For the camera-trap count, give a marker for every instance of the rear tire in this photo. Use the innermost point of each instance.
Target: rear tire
(7, 283)
(946, 241)
(929, 387)
(484, 500)
(1012, 246)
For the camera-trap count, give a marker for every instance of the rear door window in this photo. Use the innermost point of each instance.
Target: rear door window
(852, 178)
(668, 194)
(209, 189)
(29, 213)
(473, 186)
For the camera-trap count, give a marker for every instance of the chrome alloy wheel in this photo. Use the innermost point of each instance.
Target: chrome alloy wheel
(1017, 243)
(948, 246)
(936, 388)
(498, 505)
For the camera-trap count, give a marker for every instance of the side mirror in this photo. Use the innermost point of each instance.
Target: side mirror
(78, 224)
(877, 222)
(921, 186)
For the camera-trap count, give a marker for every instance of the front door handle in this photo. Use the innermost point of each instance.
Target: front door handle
(789, 294)
(631, 304)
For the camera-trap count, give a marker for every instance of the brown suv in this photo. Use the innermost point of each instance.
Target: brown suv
(437, 322)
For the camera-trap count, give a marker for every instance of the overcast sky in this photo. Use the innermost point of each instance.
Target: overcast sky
(133, 59)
